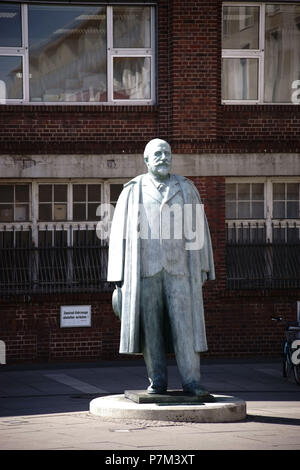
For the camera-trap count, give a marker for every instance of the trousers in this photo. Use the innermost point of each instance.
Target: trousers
(166, 300)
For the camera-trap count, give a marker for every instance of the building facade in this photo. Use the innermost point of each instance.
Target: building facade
(83, 87)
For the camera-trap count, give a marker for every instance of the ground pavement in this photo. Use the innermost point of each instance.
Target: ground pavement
(46, 407)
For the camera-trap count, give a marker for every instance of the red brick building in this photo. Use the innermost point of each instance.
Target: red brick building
(83, 87)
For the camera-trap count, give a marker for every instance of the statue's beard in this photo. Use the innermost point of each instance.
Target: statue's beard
(162, 169)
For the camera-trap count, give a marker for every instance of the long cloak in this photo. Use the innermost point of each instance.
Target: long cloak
(124, 265)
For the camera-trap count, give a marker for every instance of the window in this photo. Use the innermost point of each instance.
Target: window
(286, 198)
(14, 202)
(245, 201)
(86, 199)
(115, 191)
(52, 202)
(263, 233)
(261, 57)
(76, 54)
(48, 235)
(265, 202)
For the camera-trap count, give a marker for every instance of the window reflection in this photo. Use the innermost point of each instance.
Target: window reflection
(240, 79)
(282, 51)
(67, 55)
(131, 27)
(10, 25)
(11, 84)
(132, 78)
(240, 27)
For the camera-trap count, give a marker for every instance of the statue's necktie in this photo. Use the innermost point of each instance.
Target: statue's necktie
(162, 189)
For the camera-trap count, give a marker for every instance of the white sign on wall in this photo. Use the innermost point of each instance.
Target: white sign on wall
(75, 316)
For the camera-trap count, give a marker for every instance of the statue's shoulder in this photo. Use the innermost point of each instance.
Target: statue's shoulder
(133, 182)
(185, 181)
(187, 184)
(182, 179)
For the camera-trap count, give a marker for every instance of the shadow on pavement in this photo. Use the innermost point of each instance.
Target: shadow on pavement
(273, 420)
(44, 405)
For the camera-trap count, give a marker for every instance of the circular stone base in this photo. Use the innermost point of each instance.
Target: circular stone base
(225, 409)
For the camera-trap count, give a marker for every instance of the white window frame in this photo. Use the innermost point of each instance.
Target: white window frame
(268, 221)
(253, 53)
(112, 52)
(14, 203)
(36, 226)
(249, 53)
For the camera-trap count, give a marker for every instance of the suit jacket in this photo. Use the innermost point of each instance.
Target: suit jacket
(124, 264)
(162, 244)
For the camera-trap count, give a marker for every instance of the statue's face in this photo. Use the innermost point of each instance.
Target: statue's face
(159, 159)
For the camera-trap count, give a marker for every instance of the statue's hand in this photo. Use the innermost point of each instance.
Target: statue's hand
(117, 300)
(204, 277)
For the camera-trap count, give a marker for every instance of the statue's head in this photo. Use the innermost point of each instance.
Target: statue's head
(158, 158)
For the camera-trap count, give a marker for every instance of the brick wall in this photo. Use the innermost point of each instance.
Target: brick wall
(188, 113)
(238, 322)
(76, 129)
(190, 116)
(32, 333)
(237, 325)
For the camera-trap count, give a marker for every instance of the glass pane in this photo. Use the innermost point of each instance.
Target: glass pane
(67, 53)
(257, 210)
(240, 79)
(279, 191)
(132, 78)
(6, 193)
(60, 211)
(45, 212)
(23, 239)
(230, 189)
(278, 210)
(79, 192)
(21, 212)
(60, 192)
(11, 74)
(132, 27)
(278, 234)
(230, 210)
(22, 193)
(244, 191)
(115, 191)
(79, 212)
(92, 208)
(292, 209)
(94, 192)
(45, 193)
(293, 235)
(6, 212)
(60, 238)
(258, 191)
(292, 191)
(282, 52)
(45, 238)
(244, 210)
(240, 27)
(10, 25)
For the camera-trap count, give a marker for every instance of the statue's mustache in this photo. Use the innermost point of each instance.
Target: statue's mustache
(166, 164)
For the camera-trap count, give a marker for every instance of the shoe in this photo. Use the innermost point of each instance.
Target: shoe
(196, 389)
(156, 388)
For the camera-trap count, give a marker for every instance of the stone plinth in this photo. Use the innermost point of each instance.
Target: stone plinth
(172, 397)
(218, 408)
